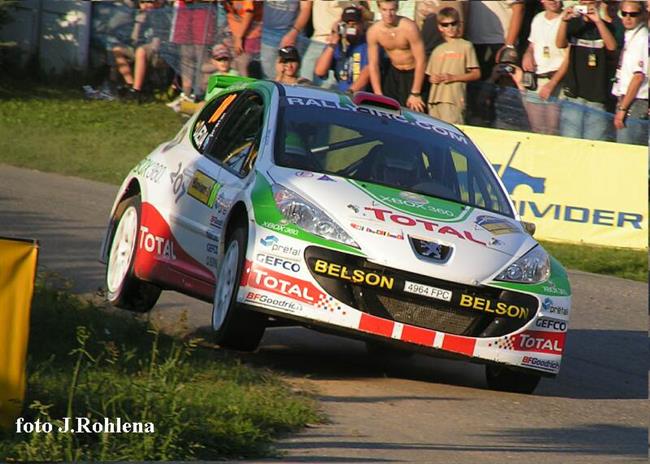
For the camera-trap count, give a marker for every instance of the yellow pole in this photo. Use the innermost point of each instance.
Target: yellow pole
(18, 261)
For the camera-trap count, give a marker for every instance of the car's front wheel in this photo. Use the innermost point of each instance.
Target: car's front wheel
(235, 326)
(124, 289)
(503, 378)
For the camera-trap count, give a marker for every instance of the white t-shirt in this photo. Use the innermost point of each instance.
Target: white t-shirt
(542, 35)
(634, 59)
(489, 21)
(324, 14)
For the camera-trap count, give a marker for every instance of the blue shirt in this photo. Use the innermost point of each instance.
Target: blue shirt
(347, 67)
(280, 15)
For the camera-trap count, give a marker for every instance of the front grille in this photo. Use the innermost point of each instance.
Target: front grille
(380, 291)
(442, 319)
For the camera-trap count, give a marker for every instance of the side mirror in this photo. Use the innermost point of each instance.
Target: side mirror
(529, 227)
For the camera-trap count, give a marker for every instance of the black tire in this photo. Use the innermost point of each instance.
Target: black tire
(509, 380)
(123, 289)
(235, 326)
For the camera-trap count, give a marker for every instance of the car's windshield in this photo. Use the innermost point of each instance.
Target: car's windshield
(416, 156)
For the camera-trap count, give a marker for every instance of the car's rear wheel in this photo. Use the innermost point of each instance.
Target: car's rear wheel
(503, 378)
(235, 326)
(124, 290)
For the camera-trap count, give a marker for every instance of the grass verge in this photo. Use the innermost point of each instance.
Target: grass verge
(61, 132)
(87, 363)
(619, 262)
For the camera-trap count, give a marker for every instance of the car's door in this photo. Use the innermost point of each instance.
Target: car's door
(235, 150)
(195, 188)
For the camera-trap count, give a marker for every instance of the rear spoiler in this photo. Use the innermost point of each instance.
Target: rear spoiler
(218, 82)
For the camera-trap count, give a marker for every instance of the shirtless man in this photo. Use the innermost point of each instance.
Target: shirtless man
(400, 38)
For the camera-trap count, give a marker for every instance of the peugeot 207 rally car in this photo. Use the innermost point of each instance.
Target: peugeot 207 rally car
(344, 213)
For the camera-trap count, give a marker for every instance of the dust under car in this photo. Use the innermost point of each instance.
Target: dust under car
(345, 213)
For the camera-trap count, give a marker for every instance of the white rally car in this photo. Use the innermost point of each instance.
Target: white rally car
(345, 213)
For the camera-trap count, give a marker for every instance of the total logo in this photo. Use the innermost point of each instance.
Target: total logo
(155, 244)
(541, 342)
(277, 262)
(385, 215)
(548, 306)
(272, 242)
(265, 279)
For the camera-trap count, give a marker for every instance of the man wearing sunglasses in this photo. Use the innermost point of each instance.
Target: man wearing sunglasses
(452, 64)
(631, 84)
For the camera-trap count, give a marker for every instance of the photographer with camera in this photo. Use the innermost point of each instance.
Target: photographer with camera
(586, 85)
(501, 98)
(346, 53)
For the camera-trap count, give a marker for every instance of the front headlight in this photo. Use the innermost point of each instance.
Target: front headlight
(305, 215)
(532, 268)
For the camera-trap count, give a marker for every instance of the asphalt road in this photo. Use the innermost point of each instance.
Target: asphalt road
(418, 410)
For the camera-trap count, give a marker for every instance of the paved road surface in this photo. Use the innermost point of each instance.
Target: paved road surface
(420, 410)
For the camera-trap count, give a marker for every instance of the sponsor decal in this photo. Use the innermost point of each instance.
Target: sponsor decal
(540, 342)
(372, 230)
(355, 209)
(200, 133)
(272, 242)
(216, 222)
(424, 207)
(326, 178)
(203, 188)
(548, 306)
(555, 325)
(269, 240)
(385, 215)
(150, 169)
(300, 101)
(304, 174)
(543, 364)
(414, 198)
(512, 178)
(212, 248)
(285, 229)
(211, 261)
(496, 226)
(160, 246)
(499, 308)
(535, 341)
(277, 262)
(178, 182)
(281, 284)
(212, 235)
(356, 276)
(427, 290)
(278, 303)
(553, 290)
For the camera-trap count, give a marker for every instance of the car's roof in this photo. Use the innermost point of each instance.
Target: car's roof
(306, 91)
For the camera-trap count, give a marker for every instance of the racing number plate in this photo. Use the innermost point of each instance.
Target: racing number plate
(426, 290)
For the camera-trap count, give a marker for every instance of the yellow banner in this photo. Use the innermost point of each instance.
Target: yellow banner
(575, 191)
(18, 260)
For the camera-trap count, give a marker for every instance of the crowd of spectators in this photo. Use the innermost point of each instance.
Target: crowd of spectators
(573, 68)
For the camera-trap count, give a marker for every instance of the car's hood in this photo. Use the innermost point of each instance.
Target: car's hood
(414, 232)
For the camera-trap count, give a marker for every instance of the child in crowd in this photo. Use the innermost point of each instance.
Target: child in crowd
(451, 65)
